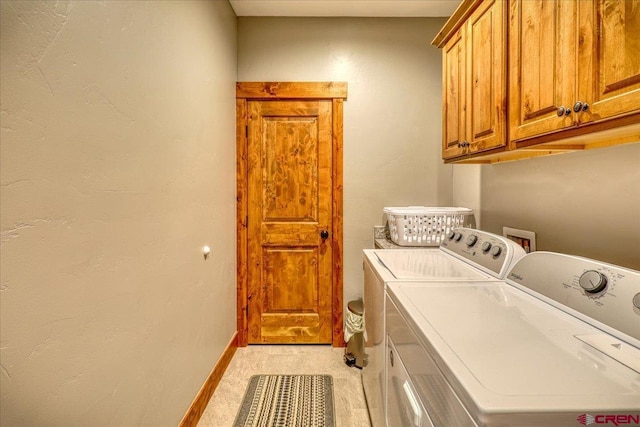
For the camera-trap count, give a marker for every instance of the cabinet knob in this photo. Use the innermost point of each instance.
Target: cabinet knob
(580, 106)
(563, 111)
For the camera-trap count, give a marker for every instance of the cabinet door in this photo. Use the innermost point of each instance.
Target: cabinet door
(609, 58)
(542, 74)
(486, 77)
(453, 96)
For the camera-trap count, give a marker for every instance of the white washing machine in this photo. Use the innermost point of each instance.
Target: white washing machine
(557, 343)
(465, 255)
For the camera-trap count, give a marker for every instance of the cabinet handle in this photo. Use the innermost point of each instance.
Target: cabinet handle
(580, 106)
(577, 107)
(563, 111)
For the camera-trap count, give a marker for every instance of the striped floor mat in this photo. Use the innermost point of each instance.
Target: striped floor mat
(287, 401)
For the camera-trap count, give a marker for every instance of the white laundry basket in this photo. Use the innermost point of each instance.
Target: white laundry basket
(425, 226)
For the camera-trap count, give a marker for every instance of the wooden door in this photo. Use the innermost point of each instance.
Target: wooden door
(609, 58)
(486, 77)
(542, 62)
(453, 96)
(289, 221)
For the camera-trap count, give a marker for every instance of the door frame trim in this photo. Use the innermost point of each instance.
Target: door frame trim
(337, 93)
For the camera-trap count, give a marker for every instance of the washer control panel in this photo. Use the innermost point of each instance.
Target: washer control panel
(489, 252)
(606, 293)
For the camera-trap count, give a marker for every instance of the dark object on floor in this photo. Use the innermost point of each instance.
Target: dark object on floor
(349, 359)
(287, 401)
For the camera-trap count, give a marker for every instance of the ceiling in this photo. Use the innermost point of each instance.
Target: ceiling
(361, 8)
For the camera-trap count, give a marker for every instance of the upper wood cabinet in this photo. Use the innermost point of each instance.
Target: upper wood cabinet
(571, 63)
(474, 83)
(573, 77)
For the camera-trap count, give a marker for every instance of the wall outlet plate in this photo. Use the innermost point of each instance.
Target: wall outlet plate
(525, 238)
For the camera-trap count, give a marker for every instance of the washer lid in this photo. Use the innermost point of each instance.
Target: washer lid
(426, 264)
(510, 352)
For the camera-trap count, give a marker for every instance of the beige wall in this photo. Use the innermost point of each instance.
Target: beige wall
(117, 166)
(586, 204)
(466, 189)
(392, 118)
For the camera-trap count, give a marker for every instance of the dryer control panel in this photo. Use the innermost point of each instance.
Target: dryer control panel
(489, 252)
(605, 293)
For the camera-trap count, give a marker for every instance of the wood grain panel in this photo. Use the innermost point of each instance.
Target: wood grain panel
(284, 295)
(254, 198)
(459, 16)
(293, 233)
(453, 96)
(619, 45)
(609, 53)
(542, 56)
(336, 310)
(487, 71)
(482, 54)
(539, 95)
(291, 167)
(291, 90)
(241, 221)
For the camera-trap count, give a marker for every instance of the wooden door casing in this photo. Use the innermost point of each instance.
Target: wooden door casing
(289, 175)
(333, 93)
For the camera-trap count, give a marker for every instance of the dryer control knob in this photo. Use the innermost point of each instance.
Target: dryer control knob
(496, 251)
(457, 236)
(471, 240)
(485, 247)
(593, 281)
(450, 235)
(636, 300)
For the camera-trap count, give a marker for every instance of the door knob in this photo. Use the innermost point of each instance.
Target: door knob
(324, 234)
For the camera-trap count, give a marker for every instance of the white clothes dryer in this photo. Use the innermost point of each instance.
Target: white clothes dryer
(557, 343)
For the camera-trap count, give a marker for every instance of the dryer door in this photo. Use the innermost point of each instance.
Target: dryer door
(404, 407)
